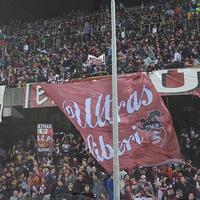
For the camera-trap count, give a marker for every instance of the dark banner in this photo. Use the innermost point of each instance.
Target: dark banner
(44, 137)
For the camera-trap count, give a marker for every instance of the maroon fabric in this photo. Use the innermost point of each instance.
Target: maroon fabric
(174, 79)
(146, 133)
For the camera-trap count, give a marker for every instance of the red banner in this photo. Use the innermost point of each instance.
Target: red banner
(146, 133)
(44, 137)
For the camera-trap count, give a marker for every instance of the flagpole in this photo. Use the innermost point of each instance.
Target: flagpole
(116, 175)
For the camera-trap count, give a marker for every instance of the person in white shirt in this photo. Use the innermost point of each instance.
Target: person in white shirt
(154, 30)
(159, 192)
(15, 195)
(177, 56)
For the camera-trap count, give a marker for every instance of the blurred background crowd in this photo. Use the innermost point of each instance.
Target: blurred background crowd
(153, 35)
(70, 172)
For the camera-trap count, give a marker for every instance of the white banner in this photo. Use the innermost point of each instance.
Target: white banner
(2, 90)
(96, 61)
(190, 80)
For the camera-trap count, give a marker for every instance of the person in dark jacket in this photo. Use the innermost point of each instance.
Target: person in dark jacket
(183, 186)
(69, 192)
(110, 188)
(48, 177)
(87, 194)
(98, 187)
(78, 186)
(60, 190)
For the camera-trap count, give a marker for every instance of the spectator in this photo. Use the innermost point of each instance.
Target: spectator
(183, 187)
(60, 190)
(128, 193)
(198, 193)
(86, 194)
(15, 195)
(98, 187)
(144, 188)
(69, 191)
(191, 196)
(110, 188)
(43, 189)
(79, 184)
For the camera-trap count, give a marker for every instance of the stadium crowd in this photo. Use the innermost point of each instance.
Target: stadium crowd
(71, 173)
(156, 35)
(150, 36)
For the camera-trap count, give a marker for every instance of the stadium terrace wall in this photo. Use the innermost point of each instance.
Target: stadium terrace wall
(167, 83)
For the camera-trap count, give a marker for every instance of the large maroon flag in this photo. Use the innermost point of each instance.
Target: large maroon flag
(146, 133)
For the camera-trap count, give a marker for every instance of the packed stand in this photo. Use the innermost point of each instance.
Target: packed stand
(156, 35)
(71, 173)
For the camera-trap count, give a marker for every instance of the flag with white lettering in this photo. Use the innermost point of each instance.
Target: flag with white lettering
(44, 137)
(146, 133)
